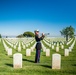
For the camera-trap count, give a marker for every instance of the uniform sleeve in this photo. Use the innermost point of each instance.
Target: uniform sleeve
(42, 37)
(39, 38)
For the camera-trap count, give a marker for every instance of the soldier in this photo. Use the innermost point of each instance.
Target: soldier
(38, 45)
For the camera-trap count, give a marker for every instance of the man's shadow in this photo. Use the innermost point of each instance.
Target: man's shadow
(46, 66)
(28, 60)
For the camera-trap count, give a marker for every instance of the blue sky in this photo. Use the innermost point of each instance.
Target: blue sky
(18, 16)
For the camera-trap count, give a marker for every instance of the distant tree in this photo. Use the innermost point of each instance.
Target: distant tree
(68, 32)
(6, 36)
(20, 36)
(28, 34)
(0, 36)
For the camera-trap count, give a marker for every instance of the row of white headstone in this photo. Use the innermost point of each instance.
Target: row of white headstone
(9, 43)
(56, 61)
(13, 45)
(69, 41)
(48, 50)
(27, 44)
(8, 50)
(19, 45)
(27, 41)
(51, 43)
(51, 40)
(28, 51)
(24, 40)
(53, 46)
(56, 58)
(66, 53)
(47, 43)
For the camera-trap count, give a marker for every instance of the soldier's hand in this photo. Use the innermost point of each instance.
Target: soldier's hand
(43, 34)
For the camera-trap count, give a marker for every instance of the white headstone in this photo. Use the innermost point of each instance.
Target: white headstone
(9, 51)
(44, 49)
(23, 46)
(28, 52)
(14, 46)
(56, 61)
(49, 45)
(60, 43)
(57, 44)
(6, 48)
(62, 47)
(32, 49)
(19, 49)
(17, 60)
(57, 49)
(70, 49)
(26, 45)
(52, 46)
(66, 53)
(47, 52)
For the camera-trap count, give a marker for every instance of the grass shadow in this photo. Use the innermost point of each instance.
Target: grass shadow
(62, 55)
(29, 60)
(74, 64)
(5, 53)
(11, 65)
(43, 55)
(11, 57)
(46, 66)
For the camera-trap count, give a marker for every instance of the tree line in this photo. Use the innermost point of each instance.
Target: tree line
(68, 32)
(26, 34)
(0, 36)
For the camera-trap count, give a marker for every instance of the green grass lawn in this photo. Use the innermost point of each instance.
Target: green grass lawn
(68, 64)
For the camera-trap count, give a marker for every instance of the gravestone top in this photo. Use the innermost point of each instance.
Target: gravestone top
(56, 61)
(17, 60)
(17, 54)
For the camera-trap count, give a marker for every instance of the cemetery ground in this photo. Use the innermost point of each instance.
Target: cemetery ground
(68, 64)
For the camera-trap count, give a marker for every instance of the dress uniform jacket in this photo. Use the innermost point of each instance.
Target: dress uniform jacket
(38, 39)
